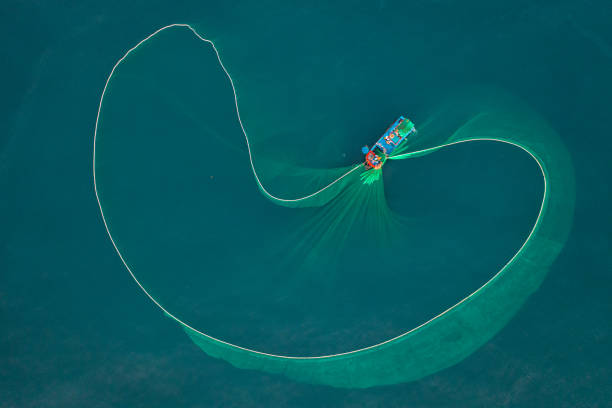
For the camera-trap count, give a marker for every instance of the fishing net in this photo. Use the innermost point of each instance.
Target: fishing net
(334, 213)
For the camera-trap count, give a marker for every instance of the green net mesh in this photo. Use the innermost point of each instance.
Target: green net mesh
(456, 333)
(349, 196)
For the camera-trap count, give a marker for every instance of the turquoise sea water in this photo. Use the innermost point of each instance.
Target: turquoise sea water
(78, 330)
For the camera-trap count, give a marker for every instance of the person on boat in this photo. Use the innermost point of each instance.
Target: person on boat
(373, 160)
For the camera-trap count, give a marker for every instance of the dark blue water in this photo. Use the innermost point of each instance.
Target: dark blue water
(78, 332)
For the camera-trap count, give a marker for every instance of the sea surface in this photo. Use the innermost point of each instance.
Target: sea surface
(315, 83)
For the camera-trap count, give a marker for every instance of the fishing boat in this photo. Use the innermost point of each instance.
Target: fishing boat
(394, 136)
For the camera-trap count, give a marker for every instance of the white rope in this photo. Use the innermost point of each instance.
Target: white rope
(288, 200)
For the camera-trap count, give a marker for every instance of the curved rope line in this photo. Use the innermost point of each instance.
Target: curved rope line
(406, 155)
(231, 81)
